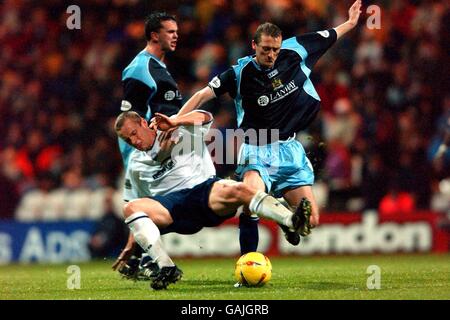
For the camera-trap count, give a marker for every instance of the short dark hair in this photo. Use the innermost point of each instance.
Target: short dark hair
(269, 29)
(153, 22)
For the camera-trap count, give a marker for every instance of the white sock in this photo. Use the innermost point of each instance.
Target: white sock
(161, 257)
(270, 208)
(147, 235)
(286, 204)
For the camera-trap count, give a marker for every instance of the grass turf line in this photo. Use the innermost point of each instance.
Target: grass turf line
(293, 278)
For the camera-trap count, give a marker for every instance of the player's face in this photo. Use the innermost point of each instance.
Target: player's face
(168, 35)
(267, 50)
(139, 135)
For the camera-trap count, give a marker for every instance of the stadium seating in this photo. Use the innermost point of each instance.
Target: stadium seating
(66, 205)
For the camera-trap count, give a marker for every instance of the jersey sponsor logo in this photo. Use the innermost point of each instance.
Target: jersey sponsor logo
(263, 101)
(324, 33)
(272, 73)
(126, 105)
(169, 95)
(166, 166)
(215, 82)
(284, 92)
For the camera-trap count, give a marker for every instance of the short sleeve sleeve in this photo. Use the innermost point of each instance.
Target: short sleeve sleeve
(223, 83)
(136, 96)
(316, 44)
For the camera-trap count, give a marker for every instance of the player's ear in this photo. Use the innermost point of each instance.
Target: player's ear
(253, 45)
(144, 123)
(154, 36)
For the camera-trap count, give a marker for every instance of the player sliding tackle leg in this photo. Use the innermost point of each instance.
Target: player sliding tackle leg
(145, 217)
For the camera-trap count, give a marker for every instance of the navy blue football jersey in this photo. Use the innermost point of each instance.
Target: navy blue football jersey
(282, 97)
(149, 87)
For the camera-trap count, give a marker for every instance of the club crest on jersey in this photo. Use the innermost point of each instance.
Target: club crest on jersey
(263, 101)
(276, 83)
(169, 95)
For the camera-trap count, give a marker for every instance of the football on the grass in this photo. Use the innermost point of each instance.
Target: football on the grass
(253, 269)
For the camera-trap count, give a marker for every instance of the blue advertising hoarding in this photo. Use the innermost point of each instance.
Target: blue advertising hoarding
(50, 242)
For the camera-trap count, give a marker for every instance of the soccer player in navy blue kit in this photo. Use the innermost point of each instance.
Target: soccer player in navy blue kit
(148, 85)
(272, 90)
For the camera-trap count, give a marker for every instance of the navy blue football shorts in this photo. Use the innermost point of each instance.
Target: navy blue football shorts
(189, 209)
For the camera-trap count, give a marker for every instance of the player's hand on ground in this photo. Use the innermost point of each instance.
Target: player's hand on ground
(121, 261)
(163, 122)
(354, 13)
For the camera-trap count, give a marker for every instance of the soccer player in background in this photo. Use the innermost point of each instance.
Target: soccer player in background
(179, 160)
(272, 90)
(147, 84)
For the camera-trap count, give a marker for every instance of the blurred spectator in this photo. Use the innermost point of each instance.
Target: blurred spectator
(9, 197)
(374, 181)
(384, 91)
(343, 124)
(110, 232)
(439, 147)
(338, 168)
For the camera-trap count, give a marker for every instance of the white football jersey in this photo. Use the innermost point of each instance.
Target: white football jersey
(155, 172)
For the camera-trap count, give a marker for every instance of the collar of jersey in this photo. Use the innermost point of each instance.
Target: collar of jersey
(146, 53)
(154, 150)
(257, 66)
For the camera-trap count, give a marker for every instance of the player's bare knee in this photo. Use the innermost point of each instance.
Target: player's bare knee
(126, 210)
(227, 192)
(131, 207)
(242, 192)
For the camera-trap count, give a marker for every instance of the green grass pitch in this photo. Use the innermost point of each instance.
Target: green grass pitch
(328, 277)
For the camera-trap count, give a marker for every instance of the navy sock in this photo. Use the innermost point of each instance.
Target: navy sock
(248, 233)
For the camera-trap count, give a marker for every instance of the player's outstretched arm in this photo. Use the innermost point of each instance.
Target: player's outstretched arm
(353, 17)
(163, 122)
(197, 100)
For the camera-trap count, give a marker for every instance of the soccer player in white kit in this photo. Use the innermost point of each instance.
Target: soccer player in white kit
(209, 201)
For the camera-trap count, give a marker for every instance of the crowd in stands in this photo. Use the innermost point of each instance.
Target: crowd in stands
(385, 93)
